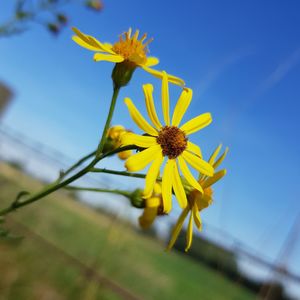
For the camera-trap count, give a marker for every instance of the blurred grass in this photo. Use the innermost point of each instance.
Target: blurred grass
(31, 270)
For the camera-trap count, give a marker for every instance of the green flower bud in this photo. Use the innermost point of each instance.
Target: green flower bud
(136, 199)
(122, 73)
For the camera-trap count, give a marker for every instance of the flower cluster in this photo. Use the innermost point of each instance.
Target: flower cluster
(167, 144)
(164, 145)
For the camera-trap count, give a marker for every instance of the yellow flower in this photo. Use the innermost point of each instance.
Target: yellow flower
(128, 53)
(167, 141)
(114, 141)
(153, 208)
(198, 201)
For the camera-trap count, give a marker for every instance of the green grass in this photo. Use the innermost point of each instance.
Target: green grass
(113, 248)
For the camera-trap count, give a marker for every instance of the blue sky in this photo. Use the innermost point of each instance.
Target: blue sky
(242, 59)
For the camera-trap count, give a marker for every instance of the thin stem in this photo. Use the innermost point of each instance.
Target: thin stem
(90, 189)
(108, 120)
(55, 186)
(98, 156)
(76, 165)
(44, 192)
(90, 155)
(120, 173)
(117, 150)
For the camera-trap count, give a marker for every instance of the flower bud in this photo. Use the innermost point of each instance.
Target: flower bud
(136, 199)
(125, 154)
(53, 27)
(122, 73)
(94, 4)
(113, 141)
(62, 19)
(114, 132)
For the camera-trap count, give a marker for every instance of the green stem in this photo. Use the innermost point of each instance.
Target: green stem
(108, 120)
(55, 186)
(76, 165)
(46, 191)
(120, 173)
(98, 156)
(90, 189)
(115, 151)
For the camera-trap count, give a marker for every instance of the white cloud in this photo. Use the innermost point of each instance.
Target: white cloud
(220, 67)
(280, 72)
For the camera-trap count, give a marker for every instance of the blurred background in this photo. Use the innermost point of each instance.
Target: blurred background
(242, 59)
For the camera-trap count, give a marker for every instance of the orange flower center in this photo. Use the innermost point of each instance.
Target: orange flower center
(172, 141)
(132, 49)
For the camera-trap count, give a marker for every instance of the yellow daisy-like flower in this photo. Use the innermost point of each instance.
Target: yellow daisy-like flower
(153, 208)
(198, 201)
(128, 52)
(168, 141)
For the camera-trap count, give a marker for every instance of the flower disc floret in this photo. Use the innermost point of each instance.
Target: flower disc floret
(172, 140)
(131, 48)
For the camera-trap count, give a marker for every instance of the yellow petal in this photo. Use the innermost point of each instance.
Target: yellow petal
(140, 160)
(188, 175)
(148, 216)
(214, 155)
(189, 234)
(221, 158)
(197, 123)
(90, 42)
(152, 175)
(194, 148)
(158, 74)
(165, 98)
(106, 57)
(83, 44)
(153, 202)
(130, 138)
(178, 188)
(177, 228)
(203, 202)
(139, 119)
(198, 163)
(181, 106)
(167, 185)
(151, 61)
(148, 92)
(108, 45)
(157, 189)
(196, 217)
(217, 176)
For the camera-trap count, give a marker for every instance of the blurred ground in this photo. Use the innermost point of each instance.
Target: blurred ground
(70, 251)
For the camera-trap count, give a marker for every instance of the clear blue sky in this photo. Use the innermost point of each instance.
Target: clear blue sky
(242, 59)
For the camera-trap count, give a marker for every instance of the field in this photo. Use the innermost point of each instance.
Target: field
(69, 251)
